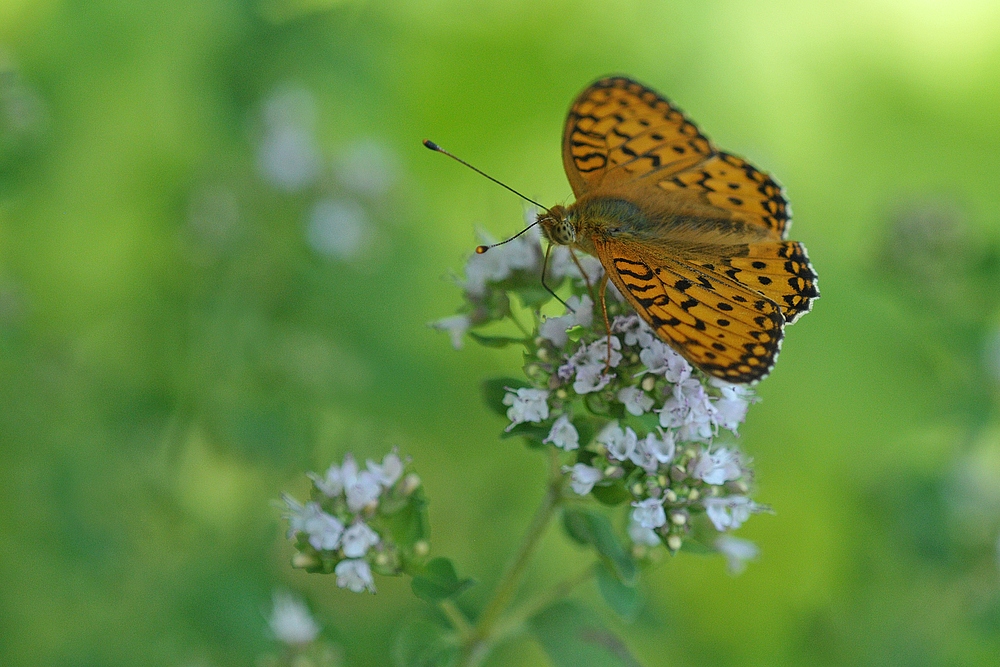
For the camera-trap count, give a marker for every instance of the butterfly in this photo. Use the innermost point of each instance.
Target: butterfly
(692, 236)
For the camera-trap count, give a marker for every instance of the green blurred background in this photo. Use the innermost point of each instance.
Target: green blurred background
(221, 241)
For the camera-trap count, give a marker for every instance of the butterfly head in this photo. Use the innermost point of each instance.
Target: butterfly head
(558, 226)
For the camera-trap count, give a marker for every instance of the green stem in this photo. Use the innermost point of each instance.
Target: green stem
(482, 637)
(456, 618)
(510, 624)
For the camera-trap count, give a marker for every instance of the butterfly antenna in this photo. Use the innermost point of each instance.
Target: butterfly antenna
(480, 249)
(434, 147)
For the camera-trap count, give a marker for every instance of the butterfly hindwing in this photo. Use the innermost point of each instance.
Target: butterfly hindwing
(619, 130)
(779, 271)
(719, 325)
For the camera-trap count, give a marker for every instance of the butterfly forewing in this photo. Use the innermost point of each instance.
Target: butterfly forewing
(619, 130)
(734, 185)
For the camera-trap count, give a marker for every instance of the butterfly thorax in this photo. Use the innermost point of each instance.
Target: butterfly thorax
(578, 224)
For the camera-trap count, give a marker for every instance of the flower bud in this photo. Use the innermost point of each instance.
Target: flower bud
(304, 560)
(678, 518)
(693, 495)
(649, 382)
(421, 548)
(678, 473)
(670, 496)
(410, 484)
(674, 542)
(738, 486)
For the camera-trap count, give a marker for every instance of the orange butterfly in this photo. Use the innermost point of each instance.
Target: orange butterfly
(692, 236)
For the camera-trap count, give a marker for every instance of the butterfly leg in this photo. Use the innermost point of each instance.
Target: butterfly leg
(586, 278)
(603, 289)
(545, 264)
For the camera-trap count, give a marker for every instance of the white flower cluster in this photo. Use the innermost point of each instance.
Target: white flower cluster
(667, 446)
(526, 405)
(335, 521)
(589, 367)
(690, 412)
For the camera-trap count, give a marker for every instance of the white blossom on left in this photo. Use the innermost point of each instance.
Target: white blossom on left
(526, 405)
(290, 620)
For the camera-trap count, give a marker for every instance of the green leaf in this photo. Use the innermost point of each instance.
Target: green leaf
(693, 546)
(573, 636)
(617, 411)
(586, 428)
(613, 494)
(577, 526)
(588, 527)
(533, 296)
(529, 430)
(575, 333)
(495, 341)
(493, 391)
(438, 581)
(703, 533)
(409, 524)
(643, 424)
(626, 601)
(424, 643)
(497, 304)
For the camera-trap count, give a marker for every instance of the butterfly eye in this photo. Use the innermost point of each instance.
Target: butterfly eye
(564, 233)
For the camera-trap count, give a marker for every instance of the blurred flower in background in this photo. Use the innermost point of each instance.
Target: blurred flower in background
(338, 228)
(23, 113)
(290, 620)
(350, 193)
(288, 156)
(291, 624)
(367, 168)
